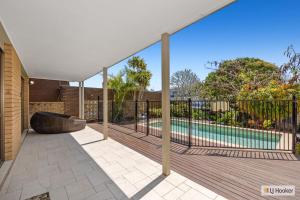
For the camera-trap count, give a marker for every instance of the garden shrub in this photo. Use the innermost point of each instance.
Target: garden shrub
(197, 114)
(155, 112)
(267, 124)
(180, 109)
(228, 118)
(298, 149)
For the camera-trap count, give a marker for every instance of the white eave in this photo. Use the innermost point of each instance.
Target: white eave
(74, 39)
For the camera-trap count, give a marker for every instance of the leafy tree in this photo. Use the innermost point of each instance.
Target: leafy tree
(137, 73)
(291, 70)
(268, 102)
(186, 83)
(121, 88)
(274, 91)
(231, 76)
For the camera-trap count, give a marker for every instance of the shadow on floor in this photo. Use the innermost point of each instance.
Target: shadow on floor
(148, 188)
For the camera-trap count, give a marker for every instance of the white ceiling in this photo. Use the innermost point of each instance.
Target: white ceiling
(73, 39)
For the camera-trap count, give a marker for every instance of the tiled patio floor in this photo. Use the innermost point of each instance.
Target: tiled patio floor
(81, 165)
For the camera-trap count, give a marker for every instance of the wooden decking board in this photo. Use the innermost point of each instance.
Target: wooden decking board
(235, 176)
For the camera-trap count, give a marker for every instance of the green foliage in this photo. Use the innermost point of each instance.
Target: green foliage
(267, 124)
(298, 149)
(134, 77)
(267, 102)
(137, 73)
(228, 118)
(121, 88)
(231, 75)
(291, 70)
(273, 90)
(179, 109)
(155, 112)
(197, 114)
(186, 83)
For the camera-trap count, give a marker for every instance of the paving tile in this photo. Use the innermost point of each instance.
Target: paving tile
(62, 179)
(193, 194)
(128, 188)
(78, 187)
(201, 189)
(163, 188)
(113, 168)
(97, 177)
(11, 195)
(82, 168)
(173, 194)
(44, 181)
(143, 183)
(116, 191)
(58, 194)
(135, 176)
(82, 195)
(184, 187)
(175, 179)
(32, 189)
(103, 195)
(152, 195)
(220, 198)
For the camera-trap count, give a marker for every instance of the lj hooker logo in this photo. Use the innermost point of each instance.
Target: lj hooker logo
(278, 190)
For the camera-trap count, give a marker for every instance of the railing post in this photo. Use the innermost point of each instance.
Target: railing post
(148, 117)
(294, 121)
(98, 104)
(112, 111)
(190, 120)
(136, 114)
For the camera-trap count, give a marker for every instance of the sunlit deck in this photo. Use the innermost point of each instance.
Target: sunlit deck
(234, 174)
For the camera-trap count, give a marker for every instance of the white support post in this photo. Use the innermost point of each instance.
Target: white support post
(82, 100)
(79, 99)
(165, 61)
(105, 104)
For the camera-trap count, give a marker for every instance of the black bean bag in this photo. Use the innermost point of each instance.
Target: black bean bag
(47, 122)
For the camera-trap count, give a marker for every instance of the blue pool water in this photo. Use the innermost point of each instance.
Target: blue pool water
(231, 135)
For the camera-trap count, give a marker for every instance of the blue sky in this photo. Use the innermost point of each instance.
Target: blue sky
(246, 28)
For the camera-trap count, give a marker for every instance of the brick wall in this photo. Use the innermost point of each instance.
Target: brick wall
(70, 96)
(43, 90)
(57, 107)
(26, 102)
(12, 102)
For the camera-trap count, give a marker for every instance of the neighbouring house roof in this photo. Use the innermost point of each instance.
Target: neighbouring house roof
(73, 40)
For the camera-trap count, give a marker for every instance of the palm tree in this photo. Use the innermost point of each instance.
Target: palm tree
(138, 75)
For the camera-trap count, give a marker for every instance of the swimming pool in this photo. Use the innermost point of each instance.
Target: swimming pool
(229, 135)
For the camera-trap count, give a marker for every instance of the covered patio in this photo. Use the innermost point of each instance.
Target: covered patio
(73, 41)
(81, 40)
